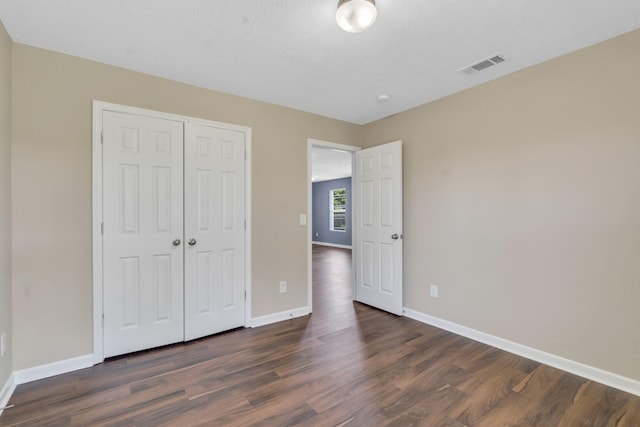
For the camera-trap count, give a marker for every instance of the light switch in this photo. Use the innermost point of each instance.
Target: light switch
(303, 219)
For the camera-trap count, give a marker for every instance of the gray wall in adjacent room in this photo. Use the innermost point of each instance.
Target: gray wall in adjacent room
(321, 231)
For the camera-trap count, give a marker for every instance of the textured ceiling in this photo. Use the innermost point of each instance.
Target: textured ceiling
(327, 163)
(292, 53)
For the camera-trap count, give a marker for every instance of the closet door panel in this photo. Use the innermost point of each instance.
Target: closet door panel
(143, 232)
(214, 230)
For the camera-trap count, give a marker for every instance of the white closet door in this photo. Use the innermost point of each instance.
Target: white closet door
(214, 230)
(143, 231)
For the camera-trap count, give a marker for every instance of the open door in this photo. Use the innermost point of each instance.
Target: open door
(378, 227)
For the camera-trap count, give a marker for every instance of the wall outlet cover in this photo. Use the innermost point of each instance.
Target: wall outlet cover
(434, 291)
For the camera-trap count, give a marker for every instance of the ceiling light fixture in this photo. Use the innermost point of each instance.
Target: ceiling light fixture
(355, 16)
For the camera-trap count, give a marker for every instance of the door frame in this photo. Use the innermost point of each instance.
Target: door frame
(98, 108)
(311, 143)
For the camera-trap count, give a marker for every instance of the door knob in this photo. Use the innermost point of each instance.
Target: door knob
(192, 242)
(176, 242)
(396, 236)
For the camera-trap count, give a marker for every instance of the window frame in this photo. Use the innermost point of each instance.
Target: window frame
(333, 210)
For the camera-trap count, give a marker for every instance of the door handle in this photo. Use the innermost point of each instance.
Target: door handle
(176, 242)
(396, 236)
(192, 242)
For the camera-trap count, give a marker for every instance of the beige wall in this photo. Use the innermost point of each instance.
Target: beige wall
(5, 201)
(521, 199)
(52, 289)
(522, 203)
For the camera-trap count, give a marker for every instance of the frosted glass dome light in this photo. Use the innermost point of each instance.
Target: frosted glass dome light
(355, 16)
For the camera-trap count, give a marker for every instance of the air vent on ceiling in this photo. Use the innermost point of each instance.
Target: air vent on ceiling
(482, 65)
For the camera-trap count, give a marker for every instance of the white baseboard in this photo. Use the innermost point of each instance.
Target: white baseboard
(589, 372)
(6, 392)
(279, 317)
(333, 245)
(52, 369)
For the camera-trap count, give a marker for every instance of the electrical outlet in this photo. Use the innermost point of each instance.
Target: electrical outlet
(3, 344)
(434, 291)
(283, 287)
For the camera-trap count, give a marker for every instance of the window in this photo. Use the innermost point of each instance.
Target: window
(338, 209)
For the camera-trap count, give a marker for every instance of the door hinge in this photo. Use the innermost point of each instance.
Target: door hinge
(101, 137)
(245, 295)
(102, 228)
(102, 319)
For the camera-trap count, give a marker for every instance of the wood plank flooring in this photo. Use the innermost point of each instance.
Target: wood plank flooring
(346, 365)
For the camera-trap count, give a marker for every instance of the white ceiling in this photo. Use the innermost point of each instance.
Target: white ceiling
(292, 53)
(327, 163)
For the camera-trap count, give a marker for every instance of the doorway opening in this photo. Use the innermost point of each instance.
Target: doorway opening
(330, 231)
(332, 284)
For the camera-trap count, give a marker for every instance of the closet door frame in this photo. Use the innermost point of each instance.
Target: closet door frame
(99, 107)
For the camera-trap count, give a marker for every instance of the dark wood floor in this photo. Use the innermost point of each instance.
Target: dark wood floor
(346, 365)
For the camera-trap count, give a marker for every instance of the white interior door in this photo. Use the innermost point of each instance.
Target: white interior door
(214, 230)
(143, 229)
(378, 227)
